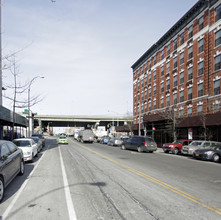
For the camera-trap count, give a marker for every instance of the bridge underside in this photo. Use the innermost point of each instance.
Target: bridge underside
(46, 122)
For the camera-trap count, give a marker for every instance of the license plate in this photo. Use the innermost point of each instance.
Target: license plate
(197, 155)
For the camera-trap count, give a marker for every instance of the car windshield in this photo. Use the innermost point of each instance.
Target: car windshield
(178, 142)
(22, 143)
(62, 137)
(35, 139)
(196, 143)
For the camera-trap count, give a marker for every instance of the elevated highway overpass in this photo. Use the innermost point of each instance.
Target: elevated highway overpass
(79, 121)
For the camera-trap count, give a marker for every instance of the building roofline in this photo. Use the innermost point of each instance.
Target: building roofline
(178, 26)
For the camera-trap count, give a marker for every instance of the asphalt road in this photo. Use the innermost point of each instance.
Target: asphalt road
(94, 181)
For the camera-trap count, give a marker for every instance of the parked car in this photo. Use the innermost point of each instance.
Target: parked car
(28, 147)
(212, 153)
(198, 144)
(140, 144)
(104, 140)
(38, 141)
(115, 141)
(41, 137)
(175, 147)
(11, 164)
(62, 140)
(86, 136)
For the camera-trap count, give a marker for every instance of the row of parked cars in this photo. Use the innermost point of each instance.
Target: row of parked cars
(13, 156)
(139, 143)
(199, 149)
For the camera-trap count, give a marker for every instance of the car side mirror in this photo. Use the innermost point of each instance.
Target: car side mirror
(4, 157)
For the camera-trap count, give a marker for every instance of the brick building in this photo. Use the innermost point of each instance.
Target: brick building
(176, 82)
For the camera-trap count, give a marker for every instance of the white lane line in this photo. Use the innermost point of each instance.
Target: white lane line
(7, 211)
(71, 211)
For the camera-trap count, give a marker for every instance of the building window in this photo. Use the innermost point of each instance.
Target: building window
(190, 52)
(162, 70)
(149, 63)
(142, 97)
(181, 38)
(190, 91)
(168, 67)
(218, 13)
(155, 90)
(168, 84)
(175, 98)
(182, 77)
(168, 49)
(175, 81)
(142, 83)
(162, 54)
(150, 78)
(200, 89)
(200, 50)
(190, 73)
(190, 30)
(154, 75)
(155, 104)
(162, 87)
(217, 38)
(181, 58)
(200, 109)
(217, 62)
(149, 106)
(201, 20)
(145, 94)
(216, 107)
(175, 44)
(149, 92)
(168, 100)
(200, 68)
(145, 67)
(181, 113)
(142, 109)
(182, 96)
(217, 87)
(162, 102)
(190, 111)
(145, 107)
(155, 59)
(175, 63)
(146, 81)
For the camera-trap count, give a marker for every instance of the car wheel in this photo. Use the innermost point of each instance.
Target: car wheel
(216, 158)
(22, 168)
(123, 147)
(176, 151)
(150, 151)
(165, 151)
(2, 189)
(140, 149)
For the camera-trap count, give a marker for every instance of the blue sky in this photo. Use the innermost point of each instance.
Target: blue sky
(84, 49)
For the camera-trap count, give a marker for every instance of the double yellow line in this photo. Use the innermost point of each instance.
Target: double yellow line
(159, 182)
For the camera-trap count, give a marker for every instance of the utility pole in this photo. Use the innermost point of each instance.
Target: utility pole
(0, 52)
(139, 119)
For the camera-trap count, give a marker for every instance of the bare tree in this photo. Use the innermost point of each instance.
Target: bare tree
(16, 91)
(172, 120)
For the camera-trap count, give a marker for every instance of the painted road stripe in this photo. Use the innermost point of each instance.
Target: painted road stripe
(71, 211)
(159, 182)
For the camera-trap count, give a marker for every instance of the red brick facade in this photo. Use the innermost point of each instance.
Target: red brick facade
(157, 77)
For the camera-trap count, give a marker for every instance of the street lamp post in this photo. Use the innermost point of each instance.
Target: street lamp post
(29, 111)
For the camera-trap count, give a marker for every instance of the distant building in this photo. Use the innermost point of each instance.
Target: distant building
(182, 72)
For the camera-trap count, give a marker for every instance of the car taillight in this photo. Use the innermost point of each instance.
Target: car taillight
(145, 144)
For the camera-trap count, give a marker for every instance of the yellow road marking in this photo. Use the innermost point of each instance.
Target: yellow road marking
(152, 179)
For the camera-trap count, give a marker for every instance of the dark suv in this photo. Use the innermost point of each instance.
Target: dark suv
(140, 144)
